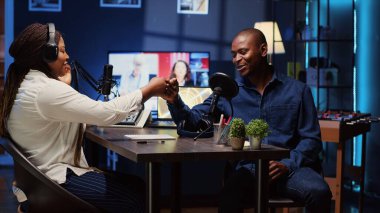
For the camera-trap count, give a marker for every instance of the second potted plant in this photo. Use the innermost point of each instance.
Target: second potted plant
(237, 134)
(256, 130)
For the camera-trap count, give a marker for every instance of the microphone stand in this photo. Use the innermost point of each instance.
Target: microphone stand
(214, 101)
(79, 70)
(201, 133)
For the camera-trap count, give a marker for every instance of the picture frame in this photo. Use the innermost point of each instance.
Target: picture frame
(121, 3)
(199, 7)
(45, 5)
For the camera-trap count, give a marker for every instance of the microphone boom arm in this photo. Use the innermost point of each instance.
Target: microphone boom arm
(85, 75)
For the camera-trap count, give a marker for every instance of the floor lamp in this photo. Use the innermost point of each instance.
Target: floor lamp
(273, 37)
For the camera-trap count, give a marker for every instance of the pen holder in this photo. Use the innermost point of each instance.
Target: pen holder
(222, 135)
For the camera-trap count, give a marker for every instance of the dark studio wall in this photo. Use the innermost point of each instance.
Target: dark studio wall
(90, 31)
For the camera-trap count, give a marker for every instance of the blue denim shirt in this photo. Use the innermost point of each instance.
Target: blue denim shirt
(286, 104)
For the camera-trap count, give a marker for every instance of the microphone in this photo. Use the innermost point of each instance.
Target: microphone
(221, 85)
(107, 80)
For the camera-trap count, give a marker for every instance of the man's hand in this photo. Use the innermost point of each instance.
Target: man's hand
(171, 94)
(276, 170)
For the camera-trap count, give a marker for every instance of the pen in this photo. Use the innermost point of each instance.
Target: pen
(145, 142)
(229, 120)
(221, 120)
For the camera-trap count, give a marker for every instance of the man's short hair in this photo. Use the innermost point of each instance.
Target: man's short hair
(260, 37)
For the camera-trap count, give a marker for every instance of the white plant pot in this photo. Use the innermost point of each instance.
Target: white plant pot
(255, 142)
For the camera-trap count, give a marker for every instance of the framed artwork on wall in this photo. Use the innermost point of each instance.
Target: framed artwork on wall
(192, 6)
(121, 3)
(45, 5)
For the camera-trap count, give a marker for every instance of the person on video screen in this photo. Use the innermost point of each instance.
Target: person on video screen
(181, 71)
(137, 77)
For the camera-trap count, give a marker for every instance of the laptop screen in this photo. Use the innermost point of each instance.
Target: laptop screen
(190, 95)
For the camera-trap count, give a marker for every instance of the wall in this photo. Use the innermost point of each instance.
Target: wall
(91, 31)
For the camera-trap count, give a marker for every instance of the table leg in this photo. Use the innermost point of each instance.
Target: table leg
(176, 187)
(339, 177)
(153, 187)
(262, 170)
(362, 173)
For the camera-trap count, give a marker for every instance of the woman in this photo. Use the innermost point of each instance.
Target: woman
(45, 117)
(181, 71)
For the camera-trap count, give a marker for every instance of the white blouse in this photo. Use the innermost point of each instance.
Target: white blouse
(45, 119)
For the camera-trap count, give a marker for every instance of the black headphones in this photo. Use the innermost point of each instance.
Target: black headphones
(50, 50)
(186, 130)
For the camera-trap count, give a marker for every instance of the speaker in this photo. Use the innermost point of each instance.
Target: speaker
(185, 130)
(50, 50)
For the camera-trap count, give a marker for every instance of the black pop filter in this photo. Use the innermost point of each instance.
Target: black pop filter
(228, 86)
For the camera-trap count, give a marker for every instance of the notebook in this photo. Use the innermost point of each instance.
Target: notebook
(190, 95)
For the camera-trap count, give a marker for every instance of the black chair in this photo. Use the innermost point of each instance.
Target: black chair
(273, 202)
(283, 203)
(44, 195)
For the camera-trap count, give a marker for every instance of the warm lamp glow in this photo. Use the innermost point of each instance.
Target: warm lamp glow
(267, 28)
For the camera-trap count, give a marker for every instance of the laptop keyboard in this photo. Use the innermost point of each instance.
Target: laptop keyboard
(162, 124)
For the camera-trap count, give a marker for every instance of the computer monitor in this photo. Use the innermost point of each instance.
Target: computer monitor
(133, 70)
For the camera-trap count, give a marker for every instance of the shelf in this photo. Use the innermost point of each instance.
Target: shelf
(301, 1)
(316, 41)
(333, 43)
(336, 86)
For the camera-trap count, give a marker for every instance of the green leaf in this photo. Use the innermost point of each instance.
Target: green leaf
(258, 128)
(237, 128)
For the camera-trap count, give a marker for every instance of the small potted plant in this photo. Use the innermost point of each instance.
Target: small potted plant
(256, 130)
(237, 134)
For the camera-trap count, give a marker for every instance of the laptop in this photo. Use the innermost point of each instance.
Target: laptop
(190, 95)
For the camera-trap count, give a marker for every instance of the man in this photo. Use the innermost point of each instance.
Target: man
(287, 105)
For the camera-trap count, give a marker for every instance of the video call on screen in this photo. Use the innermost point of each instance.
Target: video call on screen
(151, 64)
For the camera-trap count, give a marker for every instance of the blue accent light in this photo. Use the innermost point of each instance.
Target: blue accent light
(356, 149)
(354, 70)
(307, 7)
(362, 73)
(363, 76)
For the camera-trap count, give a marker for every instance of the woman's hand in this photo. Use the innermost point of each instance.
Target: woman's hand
(66, 77)
(171, 95)
(156, 87)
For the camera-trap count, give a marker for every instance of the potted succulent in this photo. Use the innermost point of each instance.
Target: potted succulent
(237, 133)
(256, 130)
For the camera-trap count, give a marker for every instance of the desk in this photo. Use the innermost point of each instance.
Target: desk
(339, 132)
(182, 149)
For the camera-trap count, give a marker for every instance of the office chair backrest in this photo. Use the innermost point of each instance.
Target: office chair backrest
(43, 194)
